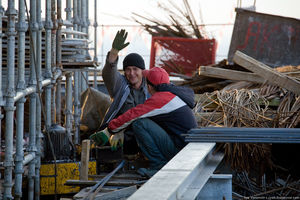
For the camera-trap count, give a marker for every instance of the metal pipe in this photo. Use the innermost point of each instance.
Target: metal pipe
(68, 108)
(38, 101)
(84, 76)
(29, 90)
(1, 94)
(48, 72)
(10, 93)
(76, 107)
(33, 97)
(95, 42)
(75, 17)
(28, 158)
(58, 60)
(79, 15)
(53, 57)
(22, 28)
(68, 10)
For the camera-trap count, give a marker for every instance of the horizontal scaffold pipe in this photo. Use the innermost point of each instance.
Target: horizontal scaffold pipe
(28, 158)
(32, 89)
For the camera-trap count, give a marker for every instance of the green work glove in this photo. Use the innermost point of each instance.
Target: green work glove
(116, 140)
(100, 138)
(119, 41)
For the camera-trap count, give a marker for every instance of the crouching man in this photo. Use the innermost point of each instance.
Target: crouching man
(158, 123)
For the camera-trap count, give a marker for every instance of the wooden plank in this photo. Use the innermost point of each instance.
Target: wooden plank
(85, 156)
(121, 182)
(117, 194)
(230, 74)
(108, 194)
(272, 76)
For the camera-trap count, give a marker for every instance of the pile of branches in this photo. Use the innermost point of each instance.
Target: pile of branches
(249, 108)
(181, 22)
(282, 186)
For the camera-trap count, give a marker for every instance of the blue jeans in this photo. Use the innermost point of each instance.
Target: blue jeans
(154, 142)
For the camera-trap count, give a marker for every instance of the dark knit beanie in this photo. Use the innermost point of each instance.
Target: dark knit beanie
(134, 59)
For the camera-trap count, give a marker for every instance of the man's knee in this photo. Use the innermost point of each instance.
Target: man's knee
(137, 124)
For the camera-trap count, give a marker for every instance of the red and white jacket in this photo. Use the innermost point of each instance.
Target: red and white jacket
(165, 108)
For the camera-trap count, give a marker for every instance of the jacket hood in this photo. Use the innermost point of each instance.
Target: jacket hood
(184, 93)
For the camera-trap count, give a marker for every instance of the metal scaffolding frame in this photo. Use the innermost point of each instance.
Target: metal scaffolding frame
(46, 76)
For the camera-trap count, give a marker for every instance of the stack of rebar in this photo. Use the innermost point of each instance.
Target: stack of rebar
(244, 135)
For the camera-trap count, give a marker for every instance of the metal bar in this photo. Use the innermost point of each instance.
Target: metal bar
(79, 15)
(186, 174)
(95, 42)
(103, 181)
(244, 135)
(29, 90)
(10, 93)
(75, 17)
(68, 107)
(21, 28)
(33, 97)
(53, 57)
(28, 158)
(73, 32)
(38, 102)
(76, 108)
(68, 10)
(58, 61)
(48, 72)
(1, 94)
(83, 29)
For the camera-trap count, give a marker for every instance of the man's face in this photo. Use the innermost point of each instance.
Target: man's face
(134, 76)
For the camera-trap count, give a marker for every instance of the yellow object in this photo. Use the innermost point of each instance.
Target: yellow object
(65, 171)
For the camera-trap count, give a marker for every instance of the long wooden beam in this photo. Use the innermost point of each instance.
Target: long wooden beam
(230, 74)
(267, 72)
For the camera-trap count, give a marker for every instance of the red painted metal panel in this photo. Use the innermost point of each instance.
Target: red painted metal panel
(182, 55)
(271, 39)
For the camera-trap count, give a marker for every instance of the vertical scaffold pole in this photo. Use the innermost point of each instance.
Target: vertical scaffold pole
(84, 77)
(38, 101)
(95, 42)
(76, 80)
(58, 60)
(21, 28)
(53, 57)
(1, 94)
(68, 10)
(10, 93)
(48, 73)
(32, 106)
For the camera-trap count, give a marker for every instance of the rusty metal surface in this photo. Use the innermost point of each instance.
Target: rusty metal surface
(273, 40)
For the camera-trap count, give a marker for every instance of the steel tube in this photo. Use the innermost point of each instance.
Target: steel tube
(38, 101)
(58, 60)
(83, 13)
(79, 15)
(33, 97)
(95, 42)
(29, 90)
(75, 17)
(22, 28)
(28, 158)
(76, 107)
(68, 10)
(1, 94)
(9, 107)
(68, 108)
(53, 57)
(244, 135)
(48, 72)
